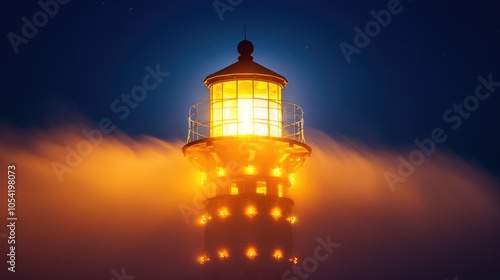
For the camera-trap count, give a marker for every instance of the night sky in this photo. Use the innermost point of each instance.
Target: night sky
(417, 74)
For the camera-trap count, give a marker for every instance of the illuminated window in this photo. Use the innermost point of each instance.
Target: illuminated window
(280, 190)
(234, 189)
(246, 107)
(261, 187)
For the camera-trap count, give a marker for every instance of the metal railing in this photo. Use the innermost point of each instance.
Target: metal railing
(290, 122)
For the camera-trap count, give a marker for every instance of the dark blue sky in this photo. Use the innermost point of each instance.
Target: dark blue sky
(395, 90)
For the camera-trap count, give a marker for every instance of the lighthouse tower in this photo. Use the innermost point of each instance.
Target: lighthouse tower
(247, 142)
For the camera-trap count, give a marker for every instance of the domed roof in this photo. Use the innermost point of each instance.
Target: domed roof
(245, 68)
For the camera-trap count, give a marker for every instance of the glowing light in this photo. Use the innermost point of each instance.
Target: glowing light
(203, 259)
(246, 107)
(203, 178)
(294, 260)
(277, 172)
(292, 219)
(223, 254)
(278, 255)
(292, 178)
(223, 213)
(276, 213)
(251, 253)
(250, 170)
(251, 211)
(220, 171)
(203, 219)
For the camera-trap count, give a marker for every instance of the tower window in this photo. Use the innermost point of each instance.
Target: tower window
(280, 190)
(261, 187)
(234, 189)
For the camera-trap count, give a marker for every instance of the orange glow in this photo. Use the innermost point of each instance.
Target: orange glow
(250, 170)
(444, 184)
(251, 253)
(294, 260)
(292, 220)
(278, 255)
(223, 254)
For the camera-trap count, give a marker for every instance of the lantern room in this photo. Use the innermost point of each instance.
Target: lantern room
(245, 107)
(245, 98)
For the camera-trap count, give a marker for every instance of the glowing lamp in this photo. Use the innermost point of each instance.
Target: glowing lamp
(223, 254)
(250, 211)
(223, 213)
(277, 172)
(221, 172)
(203, 220)
(292, 219)
(294, 260)
(278, 255)
(203, 259)
(250, 169)
(276, 213)
(251, 253)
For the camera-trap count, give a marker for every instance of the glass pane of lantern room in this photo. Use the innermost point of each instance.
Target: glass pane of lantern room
(245, 106)
(230, 111)
(216, 109)
(274, 110)
(261, 108)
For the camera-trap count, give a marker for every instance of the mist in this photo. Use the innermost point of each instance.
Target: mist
(117, 207)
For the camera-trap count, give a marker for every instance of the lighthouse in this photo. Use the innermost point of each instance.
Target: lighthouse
(247, 142)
